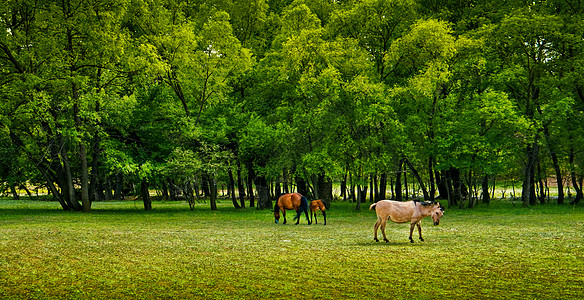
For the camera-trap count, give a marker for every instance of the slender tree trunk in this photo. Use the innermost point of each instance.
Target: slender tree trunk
(232, 189)
(301, 185)
(556, 163)
(485, 187)
(240, 186)
(417, 176)
(383, 186)
(325, 189)
(95, 160)
(263, 193)
(15, 195)
(432, 181)
(574, 179)
(71, 199)
(213, 187)
(82, 158)
(118, 186)
(145, 193)
(398, 182)
(344, 187)
(250, 180)
(285, 184)
(528, 187)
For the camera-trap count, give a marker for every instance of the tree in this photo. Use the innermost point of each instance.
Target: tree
(54, 53)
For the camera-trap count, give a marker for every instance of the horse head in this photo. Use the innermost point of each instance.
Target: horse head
(276, 215)
(437, 213)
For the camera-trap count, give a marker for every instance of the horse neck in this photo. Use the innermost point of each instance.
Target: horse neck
(426, 210)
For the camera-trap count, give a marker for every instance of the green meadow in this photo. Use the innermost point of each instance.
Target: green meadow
(119, 251)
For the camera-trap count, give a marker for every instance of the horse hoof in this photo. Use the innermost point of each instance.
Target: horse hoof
(386, 240)
(376, 240)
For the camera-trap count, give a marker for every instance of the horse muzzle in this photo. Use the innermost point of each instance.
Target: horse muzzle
(276, 221)
(436, 223)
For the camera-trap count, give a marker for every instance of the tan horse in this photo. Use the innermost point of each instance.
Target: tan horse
(291, 201)
(316, 205)
(403, 212)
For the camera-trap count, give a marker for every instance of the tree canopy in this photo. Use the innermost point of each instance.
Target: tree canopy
(101, 99)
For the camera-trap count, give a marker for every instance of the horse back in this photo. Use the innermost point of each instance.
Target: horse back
(317, 205)
(396, 211)
(291, 201)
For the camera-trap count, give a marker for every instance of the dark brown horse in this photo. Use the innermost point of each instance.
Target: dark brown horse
(404, 212)
(291, 201)
(316, 205)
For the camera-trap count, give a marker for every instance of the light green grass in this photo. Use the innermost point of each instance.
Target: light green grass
(121, 252)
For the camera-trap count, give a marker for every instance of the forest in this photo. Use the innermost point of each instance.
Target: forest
(101, 99)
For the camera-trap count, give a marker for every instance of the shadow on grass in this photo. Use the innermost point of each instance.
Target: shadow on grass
(373, 243)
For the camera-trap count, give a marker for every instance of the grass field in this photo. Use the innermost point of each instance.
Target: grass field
(121, 252)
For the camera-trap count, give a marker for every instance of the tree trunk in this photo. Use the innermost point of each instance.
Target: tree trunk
(485, 187)
(459, 189)
(70, 188)
(82, 157)
(398, 182)
(232, 189)
(382, 186)
(420, 181)
(301, 186)
(213, 187)
(95, 161)
(344, 188)
(263, 193)
(528, 187)
(432, 181)
(15, 195)
(325, 189)
(240, 186)
(250, 180)
(573, 176)
(556, 163)
(145, 194)
(206, 185)
(118, 186)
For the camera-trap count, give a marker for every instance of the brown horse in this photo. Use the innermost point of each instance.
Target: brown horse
(316, 205)
(291, 201)
(403, 212)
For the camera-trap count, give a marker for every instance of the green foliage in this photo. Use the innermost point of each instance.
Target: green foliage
(311, 88)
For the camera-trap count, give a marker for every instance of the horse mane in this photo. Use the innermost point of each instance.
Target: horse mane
(424, 203)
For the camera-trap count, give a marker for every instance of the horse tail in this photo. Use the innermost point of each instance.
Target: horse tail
(372, 207)
(303, 204)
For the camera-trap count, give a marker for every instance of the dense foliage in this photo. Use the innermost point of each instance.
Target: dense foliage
(104, 98)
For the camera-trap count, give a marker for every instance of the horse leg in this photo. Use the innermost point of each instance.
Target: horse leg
(420, 230)
(383, 223)
(306, 214)
(375, 229)
(297, 218)
(284, 215)
(324, 216)
(412, 225)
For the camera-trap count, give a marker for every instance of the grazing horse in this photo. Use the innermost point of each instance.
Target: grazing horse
(291, 201)
(403, 212)
(316, 205)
